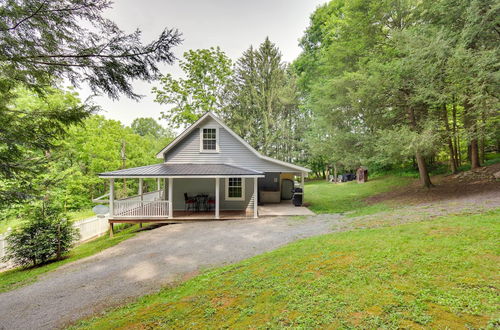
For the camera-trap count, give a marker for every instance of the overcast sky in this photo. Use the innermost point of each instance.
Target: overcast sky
(233, 25)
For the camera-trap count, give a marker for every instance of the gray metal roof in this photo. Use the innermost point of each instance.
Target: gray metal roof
(163, 170)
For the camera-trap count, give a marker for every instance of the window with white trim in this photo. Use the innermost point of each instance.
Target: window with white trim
(235, 189)
(209, 141)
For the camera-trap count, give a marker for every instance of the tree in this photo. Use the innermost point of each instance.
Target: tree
(92, 148)
(44, 43)
(422, 71)
(149, 126)
(45, 234)
(31, 127)
(204, 88)
(264, 104)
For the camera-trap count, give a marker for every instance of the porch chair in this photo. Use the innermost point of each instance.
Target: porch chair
(211, 203)
(189, 203)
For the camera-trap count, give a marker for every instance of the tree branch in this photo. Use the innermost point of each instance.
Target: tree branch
(26, 18)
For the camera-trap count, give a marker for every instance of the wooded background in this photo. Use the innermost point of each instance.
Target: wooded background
(400, 85)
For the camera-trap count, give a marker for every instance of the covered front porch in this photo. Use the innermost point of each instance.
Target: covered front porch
(185, 192)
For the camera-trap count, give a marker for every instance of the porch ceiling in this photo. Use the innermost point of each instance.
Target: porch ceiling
(182, 170)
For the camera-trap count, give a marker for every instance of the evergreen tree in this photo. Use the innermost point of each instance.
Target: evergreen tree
(422, 72)
(264, 107)
(44, 43)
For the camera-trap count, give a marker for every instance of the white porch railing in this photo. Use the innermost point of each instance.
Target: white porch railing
(140, 209)
(151, 205)
(147, 197)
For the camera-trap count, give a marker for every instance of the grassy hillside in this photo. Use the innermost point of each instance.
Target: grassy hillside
(326, 197)
(446, 276)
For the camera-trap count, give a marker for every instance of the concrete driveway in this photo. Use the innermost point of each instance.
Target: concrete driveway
(145, 263)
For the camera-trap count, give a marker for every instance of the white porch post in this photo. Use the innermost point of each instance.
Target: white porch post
(158, 185)
(111, 196)
(111, 204)
(255, 198)
(141, 181)
(217, 185)
(170, 201)
(165, 187)
(302, 184)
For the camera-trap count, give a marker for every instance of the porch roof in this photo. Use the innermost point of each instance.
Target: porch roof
(182, 170)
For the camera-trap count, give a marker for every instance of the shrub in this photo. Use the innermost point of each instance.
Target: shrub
(46, 234)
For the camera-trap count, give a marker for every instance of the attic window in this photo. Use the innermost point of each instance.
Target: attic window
(209, 140)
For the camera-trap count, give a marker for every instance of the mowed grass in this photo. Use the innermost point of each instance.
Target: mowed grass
(435, 274)
(17, 277)
(327, 197)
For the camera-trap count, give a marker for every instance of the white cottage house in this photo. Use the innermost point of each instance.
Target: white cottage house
(208, 172)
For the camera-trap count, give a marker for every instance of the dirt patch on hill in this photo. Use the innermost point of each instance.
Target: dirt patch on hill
(475, 186)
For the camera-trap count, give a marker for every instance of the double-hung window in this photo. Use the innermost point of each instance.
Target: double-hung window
(235, 189)
(209, 141)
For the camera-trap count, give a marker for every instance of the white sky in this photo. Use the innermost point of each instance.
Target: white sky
(233, 25)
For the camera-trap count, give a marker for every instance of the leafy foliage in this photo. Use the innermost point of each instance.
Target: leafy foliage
(31, 126)
(71, 39)
(46, 234)
(203, 89)
(420, 71)
(149, 126)
(96, 147)
(43, 44)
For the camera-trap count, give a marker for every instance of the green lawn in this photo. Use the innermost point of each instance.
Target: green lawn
(437, 274)
(326, 197)
(20, 276)
(73, 215)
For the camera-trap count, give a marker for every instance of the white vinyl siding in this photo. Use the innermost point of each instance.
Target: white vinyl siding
(231, 151)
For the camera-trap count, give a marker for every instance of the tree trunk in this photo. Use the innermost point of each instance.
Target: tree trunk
(471, 125)
(422, 171)
(453, 162)
(455, 136)
(422, 167)
(482, 151)
(58, 254)
(335, 173)
(474, 154)
(482, 142)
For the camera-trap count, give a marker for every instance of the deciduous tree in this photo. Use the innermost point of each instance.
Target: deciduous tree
(204, 87)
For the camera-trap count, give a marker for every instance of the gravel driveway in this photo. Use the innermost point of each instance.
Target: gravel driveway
(144, 263)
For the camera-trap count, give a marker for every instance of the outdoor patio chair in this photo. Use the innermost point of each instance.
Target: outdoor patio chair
(189, 203)
(211, 203)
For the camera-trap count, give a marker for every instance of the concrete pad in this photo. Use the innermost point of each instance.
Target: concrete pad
(285, 208)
